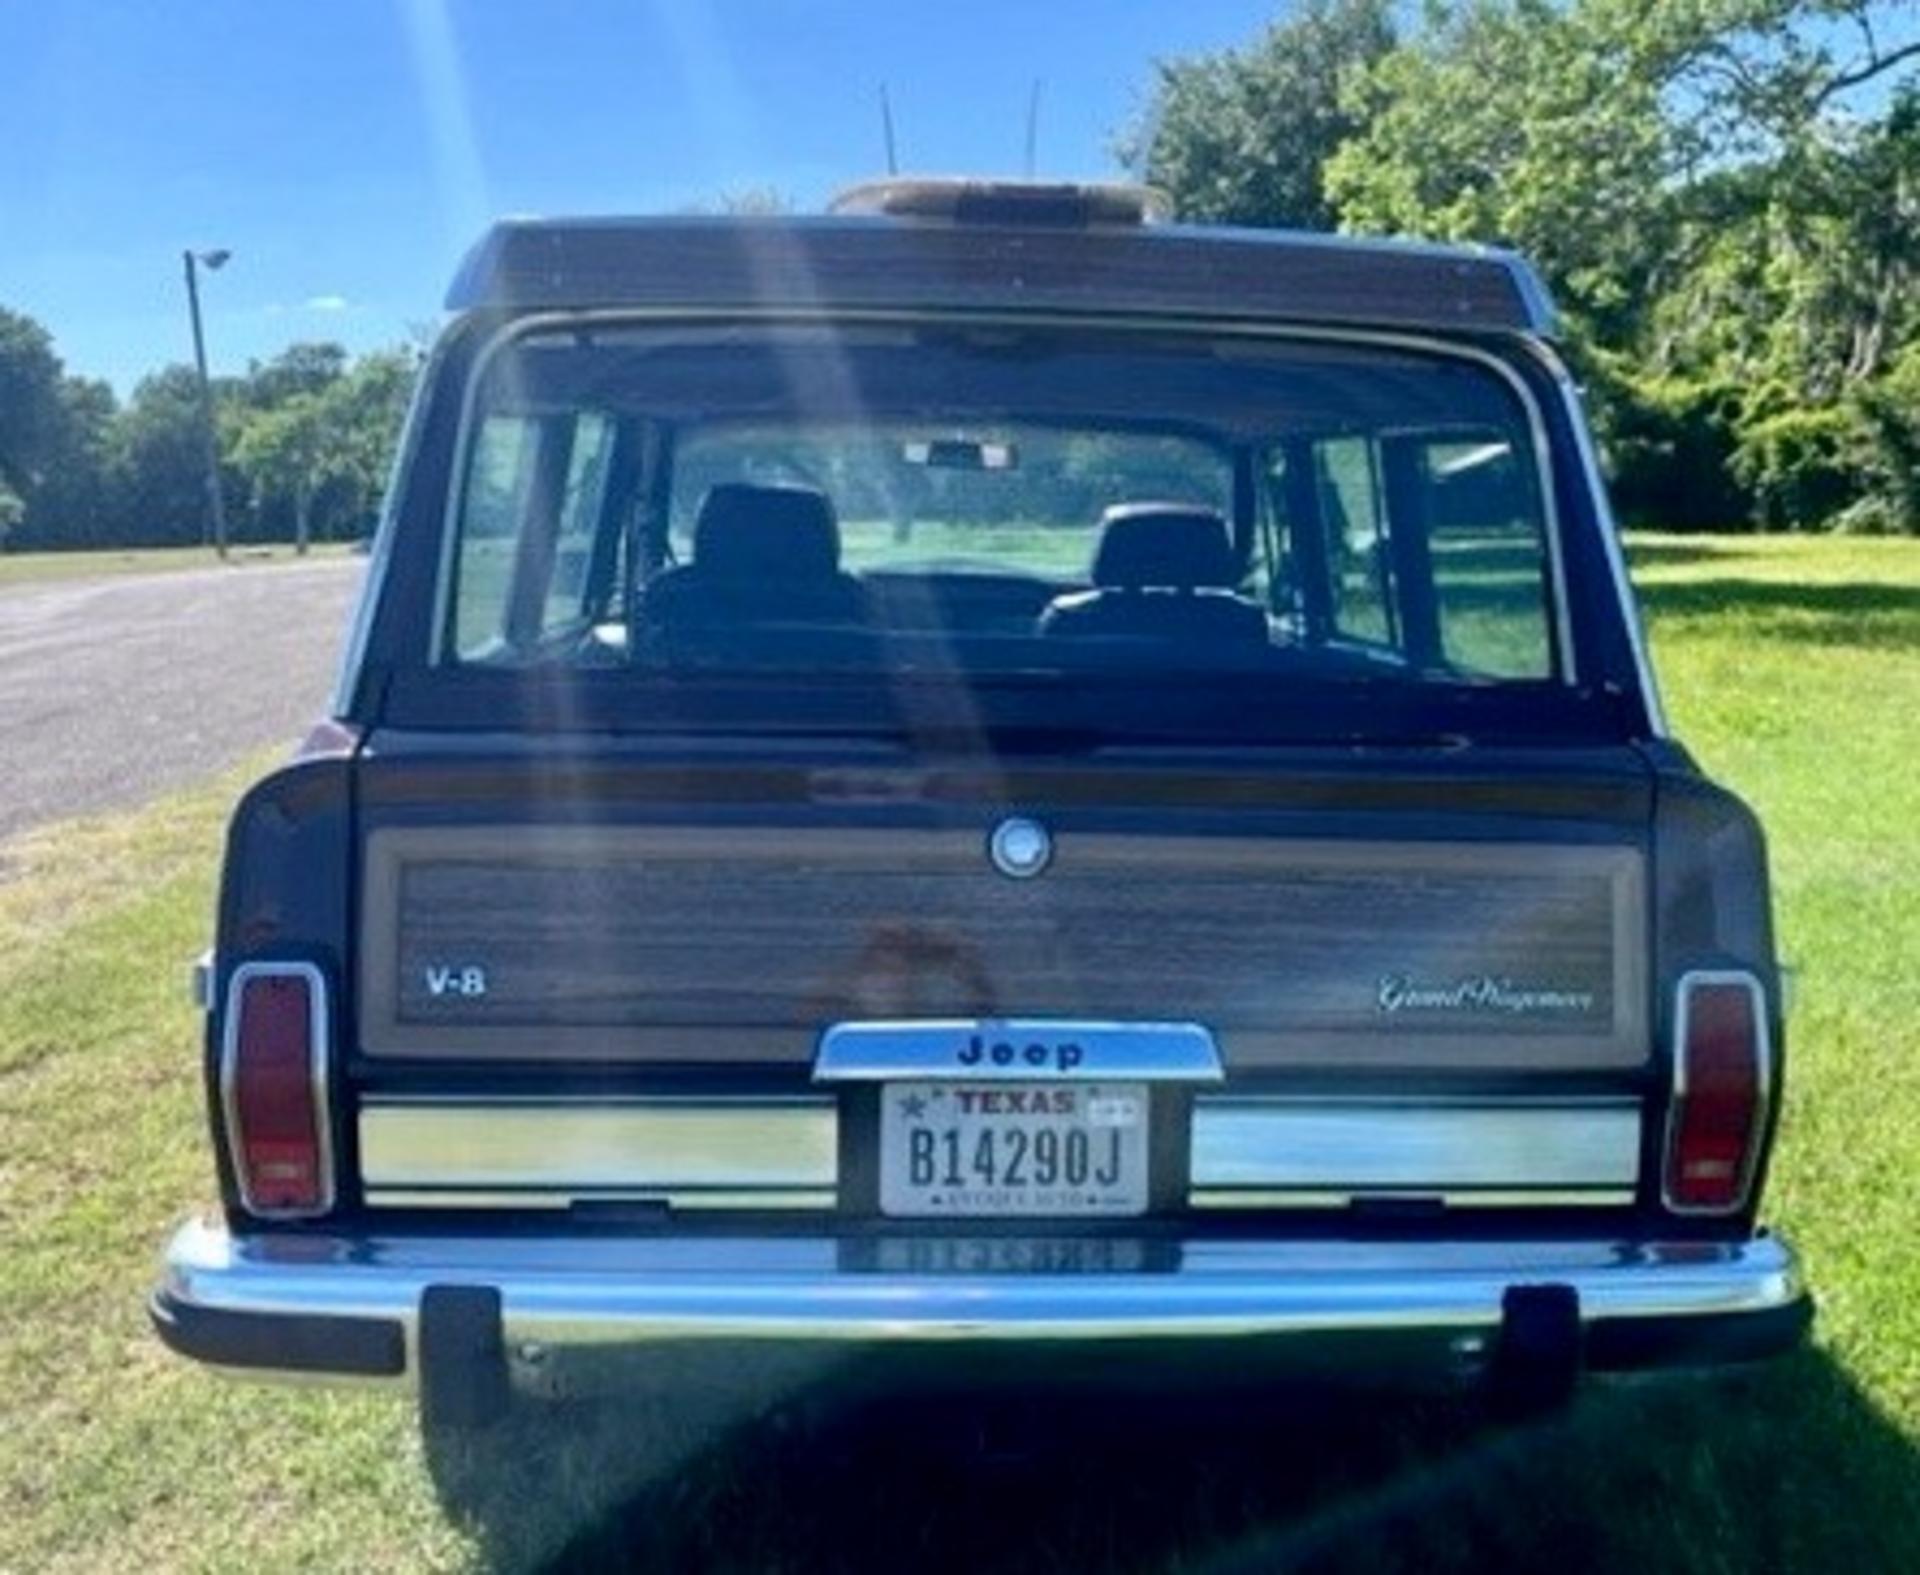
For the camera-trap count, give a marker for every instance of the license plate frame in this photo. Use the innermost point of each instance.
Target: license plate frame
(1097, 1164)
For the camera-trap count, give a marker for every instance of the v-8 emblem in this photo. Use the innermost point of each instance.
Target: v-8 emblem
(447, 979)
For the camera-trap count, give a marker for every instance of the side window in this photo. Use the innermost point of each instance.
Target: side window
(1352, 505)
(1490, 568)
(499, 475)
(530, 521)
(578, 525)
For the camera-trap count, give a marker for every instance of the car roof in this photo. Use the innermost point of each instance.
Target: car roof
(1006, 260)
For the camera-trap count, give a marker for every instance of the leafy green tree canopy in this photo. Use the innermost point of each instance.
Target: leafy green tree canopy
(1723, 194)
(1242, 137)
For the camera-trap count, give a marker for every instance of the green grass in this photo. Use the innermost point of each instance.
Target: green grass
(28, 568)
(1793, 669)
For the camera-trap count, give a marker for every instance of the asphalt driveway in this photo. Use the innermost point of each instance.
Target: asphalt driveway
(115, 690)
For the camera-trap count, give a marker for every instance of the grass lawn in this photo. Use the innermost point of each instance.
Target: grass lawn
(1792, 667)
(29, 568)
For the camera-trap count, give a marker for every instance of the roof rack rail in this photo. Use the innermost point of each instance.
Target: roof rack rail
(960, 199)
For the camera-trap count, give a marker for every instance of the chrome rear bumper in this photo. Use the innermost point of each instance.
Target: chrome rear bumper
(350, 1306)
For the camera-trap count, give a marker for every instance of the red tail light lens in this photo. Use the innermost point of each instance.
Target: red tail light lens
(1721, 1078)
(273, 1084)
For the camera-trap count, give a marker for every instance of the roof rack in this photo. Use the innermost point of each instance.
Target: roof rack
(959, 199)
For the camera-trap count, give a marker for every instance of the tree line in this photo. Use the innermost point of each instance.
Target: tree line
(1724, 196)
(304, 441)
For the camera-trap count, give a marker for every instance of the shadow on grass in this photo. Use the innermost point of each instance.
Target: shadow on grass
(1778, 1467)
(1679, 554)
(1863, 613)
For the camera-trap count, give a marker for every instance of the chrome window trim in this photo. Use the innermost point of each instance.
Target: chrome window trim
(550, 322)
(1362, 1147)
(318, 1051)
(1690, 981)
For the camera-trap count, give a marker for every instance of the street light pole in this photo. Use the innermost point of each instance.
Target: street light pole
(216, 505)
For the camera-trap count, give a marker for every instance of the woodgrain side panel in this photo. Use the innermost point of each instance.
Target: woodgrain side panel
(694, 944)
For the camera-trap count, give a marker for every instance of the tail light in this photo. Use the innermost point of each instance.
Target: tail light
(273, 1086)
(1722, 1080)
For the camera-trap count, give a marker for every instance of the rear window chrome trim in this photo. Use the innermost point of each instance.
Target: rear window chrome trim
(439, 653)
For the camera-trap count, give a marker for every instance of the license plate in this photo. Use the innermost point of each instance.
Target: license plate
(966, 1150)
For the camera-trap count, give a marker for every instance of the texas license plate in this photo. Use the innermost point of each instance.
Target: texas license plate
(962, 1150)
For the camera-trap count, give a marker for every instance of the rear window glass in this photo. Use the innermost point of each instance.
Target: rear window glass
(999, 503)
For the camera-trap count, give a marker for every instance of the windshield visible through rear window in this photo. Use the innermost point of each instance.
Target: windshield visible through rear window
(999, 503)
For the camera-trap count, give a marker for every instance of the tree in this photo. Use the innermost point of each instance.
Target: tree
(306, 368)
(79, 497)
(305, 439)
(162, 463)
(292, 451)
(29, 404)
(327, 444)
(370, 404)
(1242, 137)
(1610, 140)
(1729, 225)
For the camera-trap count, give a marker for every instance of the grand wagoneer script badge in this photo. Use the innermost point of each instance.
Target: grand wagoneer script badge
(1482, 993)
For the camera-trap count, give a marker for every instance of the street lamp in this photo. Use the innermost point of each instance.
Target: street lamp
(212, 261)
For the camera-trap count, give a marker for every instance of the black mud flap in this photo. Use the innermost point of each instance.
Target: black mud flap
(1537, 1362)
(463, 1358)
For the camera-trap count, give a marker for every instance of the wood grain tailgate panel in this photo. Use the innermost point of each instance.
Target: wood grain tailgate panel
(690, 944)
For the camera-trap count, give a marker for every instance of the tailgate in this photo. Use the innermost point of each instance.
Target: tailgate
(606, 984)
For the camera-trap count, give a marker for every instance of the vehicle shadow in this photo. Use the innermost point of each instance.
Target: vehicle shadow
(1678, 554)
(1858, 614)
(1785, 1466)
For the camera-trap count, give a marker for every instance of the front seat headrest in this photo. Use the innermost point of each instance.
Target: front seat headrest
(1165, 546)
(746, 532)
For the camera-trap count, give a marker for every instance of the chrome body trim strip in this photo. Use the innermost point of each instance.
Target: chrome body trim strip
(1353, 1147)
(318, 1052)
(1016, 1049)
(782, 1198)
(201, 974)
(560, 1146)
(1429, 344)
(562, 1291)
(1492, 1198)
(1739, 978)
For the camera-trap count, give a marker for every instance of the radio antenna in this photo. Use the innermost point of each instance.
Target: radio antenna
(1033, 126)
(886, 130)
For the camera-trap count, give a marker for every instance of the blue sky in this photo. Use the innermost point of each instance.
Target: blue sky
(347, 151)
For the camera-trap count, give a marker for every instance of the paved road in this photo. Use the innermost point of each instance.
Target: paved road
(115, 690)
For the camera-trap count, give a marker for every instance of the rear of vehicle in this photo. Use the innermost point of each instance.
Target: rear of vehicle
(992, 783)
